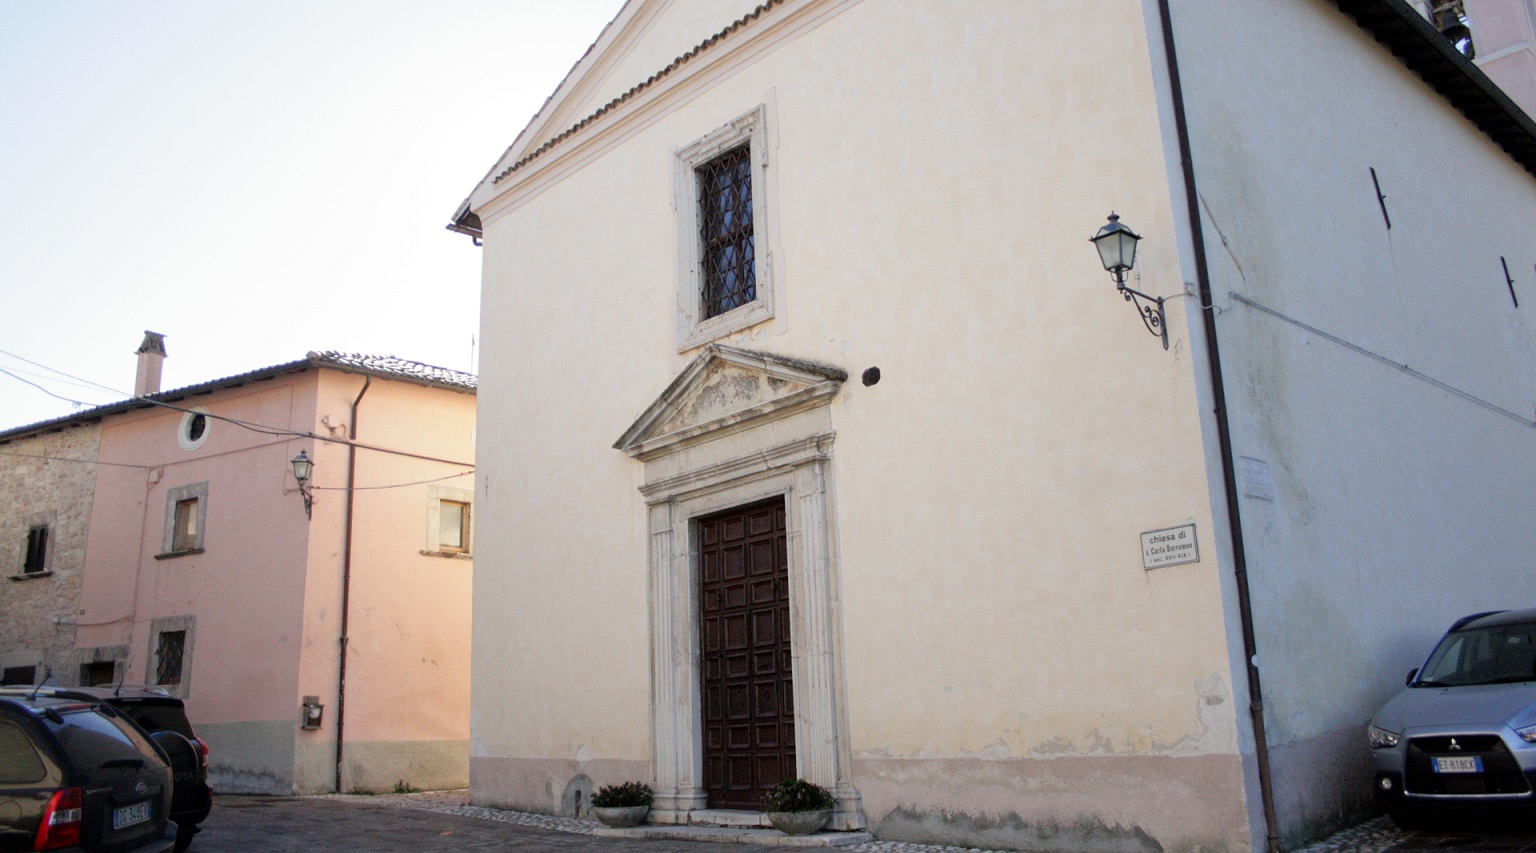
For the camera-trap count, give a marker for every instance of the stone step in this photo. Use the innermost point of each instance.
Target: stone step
(737, 835)
(727, 817)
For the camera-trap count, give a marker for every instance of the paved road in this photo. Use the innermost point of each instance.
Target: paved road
(241, 824)
(1480, 832)
(420, 823)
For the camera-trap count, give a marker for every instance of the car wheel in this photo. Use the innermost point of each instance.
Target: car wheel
(184, 837)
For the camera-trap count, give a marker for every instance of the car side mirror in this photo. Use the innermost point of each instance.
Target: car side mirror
(1411, 673)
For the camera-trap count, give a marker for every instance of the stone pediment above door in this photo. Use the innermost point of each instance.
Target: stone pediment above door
(725, 389)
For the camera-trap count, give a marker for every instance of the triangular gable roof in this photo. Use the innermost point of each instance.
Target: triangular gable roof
(567, 110)
(1393, 22)
(726, 387)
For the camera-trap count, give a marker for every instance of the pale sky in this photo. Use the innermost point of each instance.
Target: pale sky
(254, 179)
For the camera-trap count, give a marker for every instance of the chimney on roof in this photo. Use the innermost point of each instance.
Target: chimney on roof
(151, 355)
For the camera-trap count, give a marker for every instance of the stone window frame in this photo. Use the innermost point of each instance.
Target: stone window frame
(162, 625)
(693, 329)
(436, 494)
(48, 521)
(184, 435)
(115, 655)
(169, 541)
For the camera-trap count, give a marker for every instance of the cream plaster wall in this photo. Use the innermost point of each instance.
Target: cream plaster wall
(666, 31)
(931, 219)
(1397, 506)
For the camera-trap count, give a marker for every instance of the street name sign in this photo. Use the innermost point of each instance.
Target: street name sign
(1169, 547)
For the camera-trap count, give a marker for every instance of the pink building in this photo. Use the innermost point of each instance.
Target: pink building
(319, 635)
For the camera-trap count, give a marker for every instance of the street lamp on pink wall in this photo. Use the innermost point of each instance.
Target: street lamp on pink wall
(303, 468)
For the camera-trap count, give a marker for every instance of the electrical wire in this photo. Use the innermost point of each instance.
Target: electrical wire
(68, 459)
(87, 382)
(262, 429)
(41, 388)
(1449, 389)
(392, 486)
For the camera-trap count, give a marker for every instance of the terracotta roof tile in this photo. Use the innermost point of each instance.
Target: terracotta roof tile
(399, 368)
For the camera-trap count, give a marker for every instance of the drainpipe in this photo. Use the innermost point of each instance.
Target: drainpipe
(1224, 437)
(346, 578)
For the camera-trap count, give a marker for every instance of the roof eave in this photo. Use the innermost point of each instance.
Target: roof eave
(313, 361)
(1433, 58)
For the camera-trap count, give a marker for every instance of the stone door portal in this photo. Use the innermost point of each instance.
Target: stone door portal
(745, 674)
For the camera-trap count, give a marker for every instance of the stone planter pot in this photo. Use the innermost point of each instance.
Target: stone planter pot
(620, 816)
(799, 823)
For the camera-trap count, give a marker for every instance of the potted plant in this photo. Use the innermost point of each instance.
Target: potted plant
(622, 805)
(798, 807)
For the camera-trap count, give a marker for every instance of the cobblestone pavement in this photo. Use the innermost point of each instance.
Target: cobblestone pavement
(1483, 833)
(441, 820)
(412, 823)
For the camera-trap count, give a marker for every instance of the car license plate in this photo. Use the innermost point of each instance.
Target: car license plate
(1467, 764)
(130, 815)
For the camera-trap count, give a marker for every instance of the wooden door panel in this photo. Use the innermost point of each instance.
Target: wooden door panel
(746, 676)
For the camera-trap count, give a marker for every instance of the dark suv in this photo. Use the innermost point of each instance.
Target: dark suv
(80, 776)
(164, 717)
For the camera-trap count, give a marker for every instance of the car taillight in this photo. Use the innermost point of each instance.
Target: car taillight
(60, 826)
(202, 753)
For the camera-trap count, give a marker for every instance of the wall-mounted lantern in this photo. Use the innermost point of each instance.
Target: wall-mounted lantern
(303, 469)
(1117, 250)
(313, 713)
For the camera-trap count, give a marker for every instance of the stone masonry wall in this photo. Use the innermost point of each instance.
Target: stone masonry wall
(38, 485)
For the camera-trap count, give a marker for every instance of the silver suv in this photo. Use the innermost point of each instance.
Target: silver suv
(1463, 731)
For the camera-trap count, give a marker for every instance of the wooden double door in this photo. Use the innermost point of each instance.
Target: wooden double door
(747, 681)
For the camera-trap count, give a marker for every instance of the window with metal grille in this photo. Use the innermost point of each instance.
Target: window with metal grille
(725, 232)
(37, 550)
(168, 652)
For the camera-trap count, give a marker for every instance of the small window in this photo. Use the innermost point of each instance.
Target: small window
(453, 526)
(19, 674)
(723, 194)
(449, 522)
(185, 536)
(169, 650)
(37, 551)
(171, 640)
(726, 250)
(193, 429)
(96, 674)
(186, 520)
